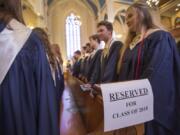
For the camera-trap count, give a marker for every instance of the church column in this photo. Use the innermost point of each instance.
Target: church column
(110, 10)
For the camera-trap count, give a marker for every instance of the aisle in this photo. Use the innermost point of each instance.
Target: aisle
(70, 119)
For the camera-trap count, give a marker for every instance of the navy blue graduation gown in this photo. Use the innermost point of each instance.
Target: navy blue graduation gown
(81, 70)
(28, 103)
(83, 66)
(108, 67)
(76, 68)
(160, 63)
(86, 67)
(94, 65)
(59, 78)
(178, 46)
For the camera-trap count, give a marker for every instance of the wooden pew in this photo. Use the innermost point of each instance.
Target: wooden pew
(86, 115)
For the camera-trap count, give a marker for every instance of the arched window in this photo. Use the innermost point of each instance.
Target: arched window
(73, 24)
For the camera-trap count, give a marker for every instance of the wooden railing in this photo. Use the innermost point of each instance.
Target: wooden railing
(88, 114)
(175, 32)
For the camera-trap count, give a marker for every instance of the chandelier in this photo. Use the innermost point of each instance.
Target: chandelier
(152, 3)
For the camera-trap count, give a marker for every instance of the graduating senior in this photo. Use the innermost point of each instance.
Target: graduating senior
(28, 103)
(150, 52)
(110, 54)
(94, 60)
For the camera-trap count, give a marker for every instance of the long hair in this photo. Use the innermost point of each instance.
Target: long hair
(145, 19)
(10, 9)
(44, 37)
(57, 52)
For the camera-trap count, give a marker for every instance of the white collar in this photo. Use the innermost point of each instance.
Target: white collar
(11, 42)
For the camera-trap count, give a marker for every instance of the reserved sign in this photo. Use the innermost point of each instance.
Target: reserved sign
(127, 103)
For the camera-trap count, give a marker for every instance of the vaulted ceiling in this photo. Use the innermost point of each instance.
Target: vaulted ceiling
(95, 5)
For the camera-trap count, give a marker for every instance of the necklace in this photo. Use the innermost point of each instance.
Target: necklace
(135, 40)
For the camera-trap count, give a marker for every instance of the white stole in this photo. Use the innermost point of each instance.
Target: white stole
(11, 42)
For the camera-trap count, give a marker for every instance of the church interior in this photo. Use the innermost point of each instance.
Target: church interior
(52, 15)
(69, 23)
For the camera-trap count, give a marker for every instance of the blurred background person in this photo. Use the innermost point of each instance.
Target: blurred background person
(76, 63)
(57, 52)
(93, 75)
(53, 57)
(69, 66)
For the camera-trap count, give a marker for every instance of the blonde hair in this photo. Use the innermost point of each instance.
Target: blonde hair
(57, 52)
(145, 19)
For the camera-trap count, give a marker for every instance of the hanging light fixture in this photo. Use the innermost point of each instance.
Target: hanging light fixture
(152, 3)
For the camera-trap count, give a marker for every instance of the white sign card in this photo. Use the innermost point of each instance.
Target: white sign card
(127, 103)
